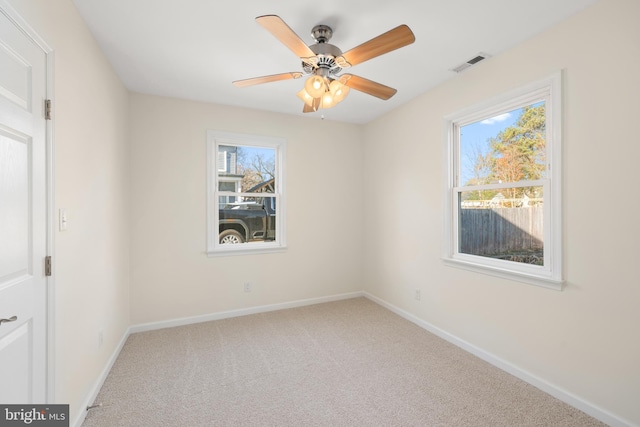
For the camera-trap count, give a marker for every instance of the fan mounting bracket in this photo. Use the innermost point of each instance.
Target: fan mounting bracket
(321, 33)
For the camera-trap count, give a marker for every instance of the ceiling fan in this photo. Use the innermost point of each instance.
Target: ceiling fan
(324, 62)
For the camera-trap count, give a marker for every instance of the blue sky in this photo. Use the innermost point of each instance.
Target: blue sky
(475, 137)
(252, 151)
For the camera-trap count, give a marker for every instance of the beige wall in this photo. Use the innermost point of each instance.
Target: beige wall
(585, 338)
(91, 258)
(172, 277)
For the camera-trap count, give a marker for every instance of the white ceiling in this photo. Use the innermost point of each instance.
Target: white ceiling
(194, 49)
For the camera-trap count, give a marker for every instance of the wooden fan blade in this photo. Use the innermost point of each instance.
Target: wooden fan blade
(276, 26)
(315, 105)
(267, 79)
(368, 86)
(384, 43)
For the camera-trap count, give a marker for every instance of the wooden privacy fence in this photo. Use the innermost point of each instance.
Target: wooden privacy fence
(501, 230)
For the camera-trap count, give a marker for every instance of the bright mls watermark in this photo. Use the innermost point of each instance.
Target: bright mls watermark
(34, 415)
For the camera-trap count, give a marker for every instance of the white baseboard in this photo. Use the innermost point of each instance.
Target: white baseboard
(552, 389)
(240, 312)
(91, 397)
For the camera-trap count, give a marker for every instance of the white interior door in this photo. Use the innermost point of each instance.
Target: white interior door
(23, 218)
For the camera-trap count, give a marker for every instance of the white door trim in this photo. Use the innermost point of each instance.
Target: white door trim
(13, 16)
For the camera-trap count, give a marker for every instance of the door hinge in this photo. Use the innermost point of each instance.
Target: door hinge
(47, 109)
(47, 266)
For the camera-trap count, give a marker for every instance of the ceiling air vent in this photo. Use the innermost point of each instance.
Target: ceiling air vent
(472, 61)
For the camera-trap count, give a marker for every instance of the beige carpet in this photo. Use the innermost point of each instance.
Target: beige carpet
(346, 363)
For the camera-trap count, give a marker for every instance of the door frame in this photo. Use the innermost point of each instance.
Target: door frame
(13, 16)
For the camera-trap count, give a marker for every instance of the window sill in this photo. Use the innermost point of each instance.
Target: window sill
(262, 249)
(505, 274)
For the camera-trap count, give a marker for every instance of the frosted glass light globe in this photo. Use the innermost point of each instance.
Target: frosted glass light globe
(315, 86)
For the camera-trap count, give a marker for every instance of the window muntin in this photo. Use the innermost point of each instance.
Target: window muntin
(246, 198)
(503, 202)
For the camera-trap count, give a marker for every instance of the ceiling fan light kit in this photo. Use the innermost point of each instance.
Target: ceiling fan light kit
(325, 87)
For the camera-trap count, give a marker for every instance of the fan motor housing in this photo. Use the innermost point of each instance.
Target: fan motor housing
(326, 55)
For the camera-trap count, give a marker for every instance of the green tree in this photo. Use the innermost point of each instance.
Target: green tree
(518, 152)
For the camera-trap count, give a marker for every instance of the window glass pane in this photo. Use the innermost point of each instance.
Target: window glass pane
(504, 224)
(227, 186)
(242, 218)
(251, 220)
(250, 169)
(509, 147)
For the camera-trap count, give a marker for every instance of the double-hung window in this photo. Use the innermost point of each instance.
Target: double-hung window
(503, 202)
(246, 205)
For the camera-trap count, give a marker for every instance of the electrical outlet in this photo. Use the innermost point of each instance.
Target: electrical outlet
(417, 294)
(248, 286)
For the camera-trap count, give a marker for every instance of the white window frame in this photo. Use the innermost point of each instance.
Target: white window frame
(548, 275)
(216, 138)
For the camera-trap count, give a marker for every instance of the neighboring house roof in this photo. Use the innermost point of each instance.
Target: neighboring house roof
(263, 187)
